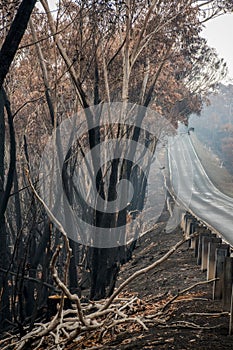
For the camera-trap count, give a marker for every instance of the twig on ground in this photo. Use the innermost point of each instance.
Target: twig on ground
(143, 271)
(85, 322)
(184, 324)
(208, 314)
(186, 290)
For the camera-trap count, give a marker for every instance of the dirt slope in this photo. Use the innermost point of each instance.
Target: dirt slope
(177, 273)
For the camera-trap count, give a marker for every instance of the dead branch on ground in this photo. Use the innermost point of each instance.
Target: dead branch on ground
(98, 319)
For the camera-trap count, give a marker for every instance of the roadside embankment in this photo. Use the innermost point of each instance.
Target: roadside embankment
(220, 177)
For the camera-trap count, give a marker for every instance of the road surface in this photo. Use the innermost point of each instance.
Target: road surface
(195, 191)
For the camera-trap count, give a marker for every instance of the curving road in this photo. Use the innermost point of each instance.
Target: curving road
(195, 191)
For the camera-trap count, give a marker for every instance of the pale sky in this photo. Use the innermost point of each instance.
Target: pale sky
(219, 33)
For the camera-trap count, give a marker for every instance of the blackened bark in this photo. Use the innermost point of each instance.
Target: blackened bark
(73, 272)
(4, 288)
(11, 171)
(4, 299)
(17, 204)
(99, 273)
(2, 142)
(14, 37)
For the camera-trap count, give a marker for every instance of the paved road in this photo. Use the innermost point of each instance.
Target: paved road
(195, 190)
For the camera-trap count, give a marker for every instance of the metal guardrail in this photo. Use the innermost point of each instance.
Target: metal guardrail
(213, 253)
(170, 189)
(215, 259)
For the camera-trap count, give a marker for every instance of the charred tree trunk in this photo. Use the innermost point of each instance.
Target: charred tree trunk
(14, 36)
(73, 272)
(4, 295)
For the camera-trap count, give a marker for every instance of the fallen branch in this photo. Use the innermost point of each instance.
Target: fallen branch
(186, 290)
(208, 314)
(143, 271)
(184, 324)
(96, 318)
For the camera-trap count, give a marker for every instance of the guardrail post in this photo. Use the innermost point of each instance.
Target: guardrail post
(187, 216)
(182, 222)
(195, 241)
(205, 244)
(212, 246)
(227, 282)
(231, 314)
(220, 254)
(205, 233)
(190, 226)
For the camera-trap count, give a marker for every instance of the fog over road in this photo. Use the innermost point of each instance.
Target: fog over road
(194, 189)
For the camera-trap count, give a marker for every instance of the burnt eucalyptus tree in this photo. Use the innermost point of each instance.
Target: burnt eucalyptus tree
(7, 54)
(96, 52)
(128, 51)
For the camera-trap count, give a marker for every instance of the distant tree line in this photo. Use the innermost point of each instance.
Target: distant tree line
(215, 125)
